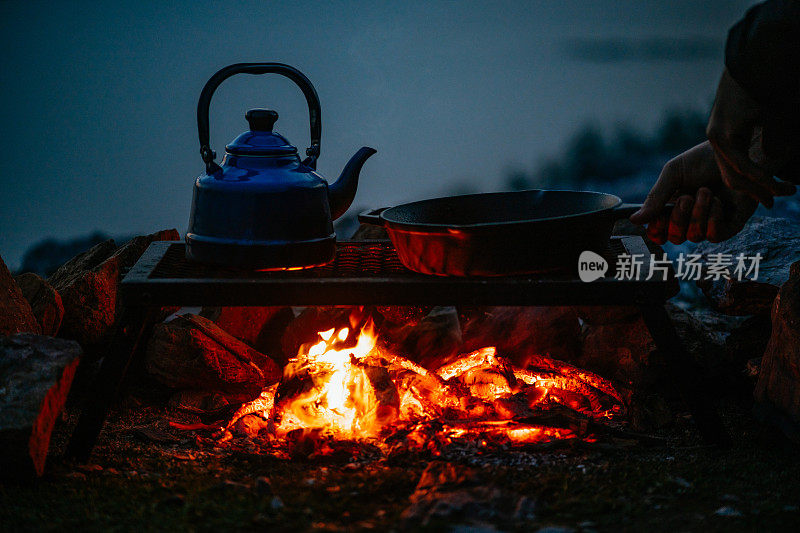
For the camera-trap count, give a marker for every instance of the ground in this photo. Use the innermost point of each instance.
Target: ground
(672, 484)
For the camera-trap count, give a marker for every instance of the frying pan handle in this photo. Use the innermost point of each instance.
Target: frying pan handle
(626, 210)
(373, 216)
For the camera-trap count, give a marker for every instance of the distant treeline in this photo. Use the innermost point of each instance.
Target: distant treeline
(590, 157)
(47, 255)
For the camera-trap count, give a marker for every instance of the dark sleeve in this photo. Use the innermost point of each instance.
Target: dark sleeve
(763, 55)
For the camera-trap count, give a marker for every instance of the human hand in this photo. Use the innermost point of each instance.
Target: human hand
(731, 127)
(704, 207)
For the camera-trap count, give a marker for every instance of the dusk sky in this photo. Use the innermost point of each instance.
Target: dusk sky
(97, 100)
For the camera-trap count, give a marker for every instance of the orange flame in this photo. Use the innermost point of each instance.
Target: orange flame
(346, 386)
(340, 399)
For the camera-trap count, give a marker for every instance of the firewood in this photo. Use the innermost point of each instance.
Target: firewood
(35, 377)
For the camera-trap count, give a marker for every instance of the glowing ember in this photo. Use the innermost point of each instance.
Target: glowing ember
(346, 385)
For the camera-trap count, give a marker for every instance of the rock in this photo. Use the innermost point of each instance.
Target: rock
(451, 494)
(276, 504)
(88, 286)
(778, 242)
(259, 327)
(779, 380)
(619, 351)
(44, 300)
(16, 315)
(728, 511)
(519, 333)
(35, 377)
(434, 340)
(193, 353)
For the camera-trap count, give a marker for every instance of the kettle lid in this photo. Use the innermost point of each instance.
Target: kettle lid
(261, 140)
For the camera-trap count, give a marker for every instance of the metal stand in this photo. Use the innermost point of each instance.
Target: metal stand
(688, 376)
(368, 273)
(121, 351)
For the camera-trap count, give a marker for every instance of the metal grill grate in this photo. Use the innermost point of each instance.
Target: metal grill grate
(352, 259)
(369, 273)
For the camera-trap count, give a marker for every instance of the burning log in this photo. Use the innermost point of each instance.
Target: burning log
(387, 399)
(347, 385)
(572, 391)
(596, 381)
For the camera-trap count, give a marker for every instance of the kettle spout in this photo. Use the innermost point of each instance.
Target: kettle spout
(341, 193)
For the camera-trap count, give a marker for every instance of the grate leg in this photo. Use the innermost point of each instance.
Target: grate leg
(110, 377)
(686, 374)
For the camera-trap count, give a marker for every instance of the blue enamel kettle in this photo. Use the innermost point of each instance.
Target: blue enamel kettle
(263, 207)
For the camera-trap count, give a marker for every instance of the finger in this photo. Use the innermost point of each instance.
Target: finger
(740, 183)
(667, 183)
(716, 221)
(657, 229)
(679, 219)
(698, 224)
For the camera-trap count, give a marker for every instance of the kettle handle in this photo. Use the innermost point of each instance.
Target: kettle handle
(292, 73)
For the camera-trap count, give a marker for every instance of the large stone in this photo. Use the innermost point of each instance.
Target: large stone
(259, 327)
(432, 341)
(45, 302)
(16, 315)
(35, 376)
(721, 343)
(778, 242)
(779, 379)
(520, 333)
(88, 286)
(620, 351)
(192, 353)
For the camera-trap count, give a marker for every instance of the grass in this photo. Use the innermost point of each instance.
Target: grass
(133, 485)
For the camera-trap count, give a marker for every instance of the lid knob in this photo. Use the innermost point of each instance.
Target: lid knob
(261, 119)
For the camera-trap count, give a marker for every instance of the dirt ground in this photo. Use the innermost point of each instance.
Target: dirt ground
(146, 476)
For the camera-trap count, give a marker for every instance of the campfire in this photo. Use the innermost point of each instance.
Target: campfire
(348, 384)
